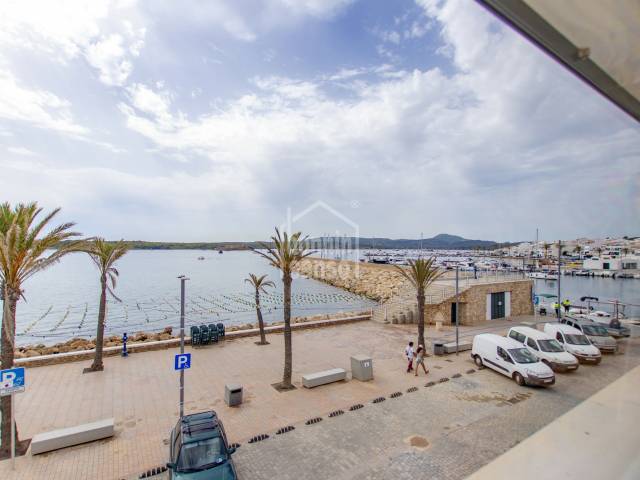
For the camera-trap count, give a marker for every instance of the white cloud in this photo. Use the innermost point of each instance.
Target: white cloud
(20, 151)
(68, 30)
(34, 106)
(414, 137)
(107, 55)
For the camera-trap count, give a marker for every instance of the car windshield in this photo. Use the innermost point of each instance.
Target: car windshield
(522, 355)
(575, 339)
(201, 455)
(550, 346)
(595, 330)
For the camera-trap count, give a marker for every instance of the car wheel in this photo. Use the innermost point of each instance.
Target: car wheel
(478, 360)
(519, 379)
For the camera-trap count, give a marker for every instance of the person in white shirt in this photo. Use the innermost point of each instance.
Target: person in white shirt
(409, 354)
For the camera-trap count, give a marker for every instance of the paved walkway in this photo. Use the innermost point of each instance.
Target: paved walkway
(463, 423)
(141, 393)
(600, 427)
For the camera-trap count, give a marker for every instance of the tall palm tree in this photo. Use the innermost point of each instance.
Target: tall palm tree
(259, 284)
(104, 254)
(286, 252)
(24, 251)
(577, 249)
(420, 274)
(546, 247)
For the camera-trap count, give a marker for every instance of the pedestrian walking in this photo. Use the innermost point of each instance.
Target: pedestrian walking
(420, 360)
(408, 352)
(566, 304)
(556, 307)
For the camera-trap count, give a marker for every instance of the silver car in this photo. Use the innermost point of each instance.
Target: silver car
(597, 333)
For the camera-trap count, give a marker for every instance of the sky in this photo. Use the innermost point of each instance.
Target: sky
(218, 120)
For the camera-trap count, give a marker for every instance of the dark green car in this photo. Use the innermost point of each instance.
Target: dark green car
(199, 449)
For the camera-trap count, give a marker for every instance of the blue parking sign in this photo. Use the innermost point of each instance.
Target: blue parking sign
(12, 381)
(182, 361)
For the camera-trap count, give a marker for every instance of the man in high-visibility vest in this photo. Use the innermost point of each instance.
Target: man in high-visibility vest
(556, 307)
(566, 304)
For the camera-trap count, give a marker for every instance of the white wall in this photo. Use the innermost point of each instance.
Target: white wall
(488, 317)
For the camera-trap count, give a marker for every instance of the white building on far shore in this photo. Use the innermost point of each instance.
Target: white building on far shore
(612, 263)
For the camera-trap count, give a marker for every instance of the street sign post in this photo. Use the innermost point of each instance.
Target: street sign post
(182, 361)
(12, 381)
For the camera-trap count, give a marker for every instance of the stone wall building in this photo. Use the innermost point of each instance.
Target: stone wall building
(479, 300)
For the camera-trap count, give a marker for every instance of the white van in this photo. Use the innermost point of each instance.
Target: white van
(545, 347)
(574, 342)
(510, 358)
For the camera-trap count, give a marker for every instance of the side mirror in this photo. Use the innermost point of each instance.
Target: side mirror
(171, 466)
(231, 451)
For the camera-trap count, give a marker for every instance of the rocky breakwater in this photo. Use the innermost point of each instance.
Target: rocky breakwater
(377, 282)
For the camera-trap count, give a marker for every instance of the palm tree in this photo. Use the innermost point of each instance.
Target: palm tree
(546, 247)
(24, 251)
(104, 254)
(284, 255)
(420, 274)
(625, 251)
(599, 251)
(577, 249)
(259, 284)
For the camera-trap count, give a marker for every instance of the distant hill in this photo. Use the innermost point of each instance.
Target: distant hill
(442, 241)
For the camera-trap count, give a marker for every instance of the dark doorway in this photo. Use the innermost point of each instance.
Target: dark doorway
(497, 305)
(453, 314)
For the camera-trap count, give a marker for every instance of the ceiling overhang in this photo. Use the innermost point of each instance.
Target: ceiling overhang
(599, 41)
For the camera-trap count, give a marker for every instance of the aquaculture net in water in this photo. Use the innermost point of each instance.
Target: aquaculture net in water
(152, 314)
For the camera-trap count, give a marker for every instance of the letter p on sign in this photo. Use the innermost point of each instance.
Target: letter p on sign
(182, 361)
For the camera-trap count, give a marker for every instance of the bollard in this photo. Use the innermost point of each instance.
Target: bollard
(124, 345)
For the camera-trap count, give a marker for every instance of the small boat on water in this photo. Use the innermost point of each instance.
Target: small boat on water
(219, 251)
(543, 275)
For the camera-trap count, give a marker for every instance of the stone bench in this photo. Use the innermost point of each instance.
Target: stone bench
(311, 380)
(68, 437)
(462, 346)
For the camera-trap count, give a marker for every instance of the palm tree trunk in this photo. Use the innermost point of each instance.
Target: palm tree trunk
(263, 340)
(288, 361)
(97, 361)
(7, 342)
(421, 317)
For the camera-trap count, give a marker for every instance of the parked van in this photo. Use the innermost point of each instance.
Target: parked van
(597, 333)
(544, 347)
(510, 358)
(574, 342)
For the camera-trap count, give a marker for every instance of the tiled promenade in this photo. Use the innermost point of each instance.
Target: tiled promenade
(141, 393)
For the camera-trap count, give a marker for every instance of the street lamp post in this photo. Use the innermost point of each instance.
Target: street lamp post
(457, 307)
(559, 275)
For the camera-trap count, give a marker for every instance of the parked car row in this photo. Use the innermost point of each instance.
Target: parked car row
(531, 357)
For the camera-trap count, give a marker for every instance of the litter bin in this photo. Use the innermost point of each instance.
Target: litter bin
(362, 367)
(438, 347)
(233, 394)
